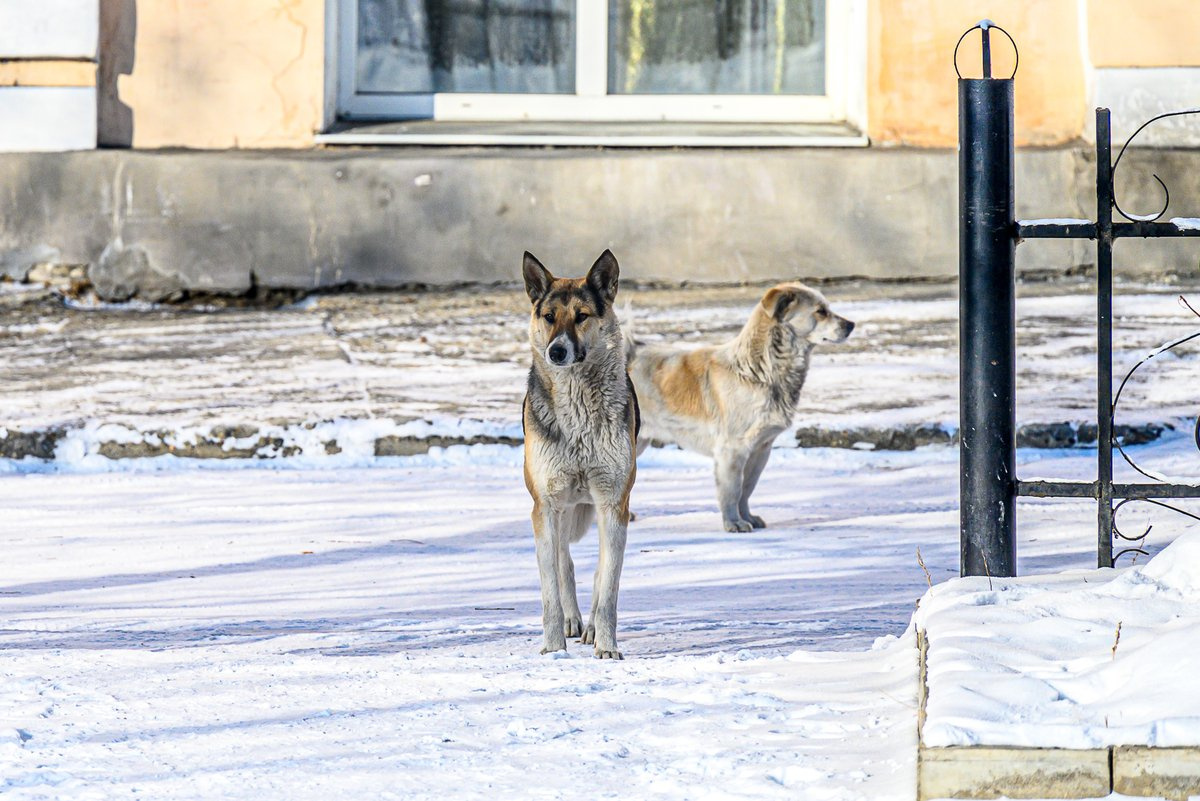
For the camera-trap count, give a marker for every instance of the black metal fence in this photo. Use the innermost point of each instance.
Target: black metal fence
(988, 236)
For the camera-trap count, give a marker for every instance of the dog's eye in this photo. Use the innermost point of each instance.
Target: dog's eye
(821, 313)
(579, 318)
(549, 317)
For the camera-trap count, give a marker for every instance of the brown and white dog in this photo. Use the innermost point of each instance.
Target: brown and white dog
(581, 424)
(730, 401)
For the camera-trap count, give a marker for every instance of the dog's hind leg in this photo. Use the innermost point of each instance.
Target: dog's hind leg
(573, 524)
(546, 537)
(730, 467)
(754, 467)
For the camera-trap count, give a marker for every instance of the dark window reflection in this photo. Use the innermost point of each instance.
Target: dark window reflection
(756, 47)
(426, 46)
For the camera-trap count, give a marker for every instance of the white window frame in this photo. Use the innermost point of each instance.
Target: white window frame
(843, 101)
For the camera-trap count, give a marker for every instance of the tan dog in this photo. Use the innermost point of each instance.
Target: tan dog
(730, 401)
(581, 425)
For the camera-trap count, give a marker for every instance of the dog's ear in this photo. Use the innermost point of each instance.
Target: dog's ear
(780, 302)
(537, 278)
(603, 276)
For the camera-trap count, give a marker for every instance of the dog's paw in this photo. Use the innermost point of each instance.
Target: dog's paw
(738, 525)
(756, 521)
(614, 654)
(573, 627)
(588, 637)
(553, 649)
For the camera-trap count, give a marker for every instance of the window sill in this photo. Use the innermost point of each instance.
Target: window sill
(593, 134)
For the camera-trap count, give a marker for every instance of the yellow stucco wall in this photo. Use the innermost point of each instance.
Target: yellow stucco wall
(251, 73)
(219, 73)
(912, 94)
(1157, 33)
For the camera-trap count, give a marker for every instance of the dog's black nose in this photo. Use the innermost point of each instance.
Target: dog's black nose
(849, 326)
(557, 353)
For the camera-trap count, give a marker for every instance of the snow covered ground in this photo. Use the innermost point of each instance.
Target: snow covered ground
(338, 625)
(373, 632)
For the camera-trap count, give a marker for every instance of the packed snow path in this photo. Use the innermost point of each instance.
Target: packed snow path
(359, 633)
(463, 355)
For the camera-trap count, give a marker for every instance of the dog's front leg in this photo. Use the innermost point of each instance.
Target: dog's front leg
(602, 624)
(546, 538)
(730, 466)
(570, 528)
(754, 467)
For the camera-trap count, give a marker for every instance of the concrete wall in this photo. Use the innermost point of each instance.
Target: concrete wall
(159, 222)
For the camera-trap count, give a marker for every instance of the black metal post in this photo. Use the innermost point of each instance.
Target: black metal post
(1104, 410)
(987, 326)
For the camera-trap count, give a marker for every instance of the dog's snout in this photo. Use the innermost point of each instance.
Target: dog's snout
(564, 351)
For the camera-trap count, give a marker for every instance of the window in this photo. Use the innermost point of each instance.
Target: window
(607, 60)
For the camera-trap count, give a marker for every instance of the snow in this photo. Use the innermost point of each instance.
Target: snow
(1186, 223)
(234, 632)
(373, 632)
(1085, 659)
(1056, 221)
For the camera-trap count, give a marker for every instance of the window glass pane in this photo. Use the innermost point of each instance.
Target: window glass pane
(466, 46)
(752, 47)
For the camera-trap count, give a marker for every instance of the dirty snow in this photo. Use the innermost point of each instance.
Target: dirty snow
(445, 358)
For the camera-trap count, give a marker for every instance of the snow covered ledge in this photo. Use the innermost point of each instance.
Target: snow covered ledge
(1066, 686)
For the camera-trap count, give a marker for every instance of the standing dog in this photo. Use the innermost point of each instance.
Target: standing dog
(731, 401)
(581, 425)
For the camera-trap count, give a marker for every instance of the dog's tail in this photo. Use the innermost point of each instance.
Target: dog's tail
(625, 319)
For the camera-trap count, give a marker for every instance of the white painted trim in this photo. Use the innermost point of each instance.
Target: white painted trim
(591, 51)
(47, 118)
(49, 28)
(845, 77)
(347, 74)
(607, 108)
(331, 76)
(614, 108)
(587, 140)
(1135, 94)
(1089, 72)
(853, 65)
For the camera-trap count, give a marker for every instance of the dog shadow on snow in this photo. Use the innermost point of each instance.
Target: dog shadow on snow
(475, 591)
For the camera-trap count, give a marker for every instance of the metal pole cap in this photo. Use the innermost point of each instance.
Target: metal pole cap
(986, 26)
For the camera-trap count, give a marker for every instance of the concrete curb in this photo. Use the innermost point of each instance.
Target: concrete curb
(996, 772)
(220, 442)
(247, 441)
(907, 437)
(991, 772)
(1172, 773)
